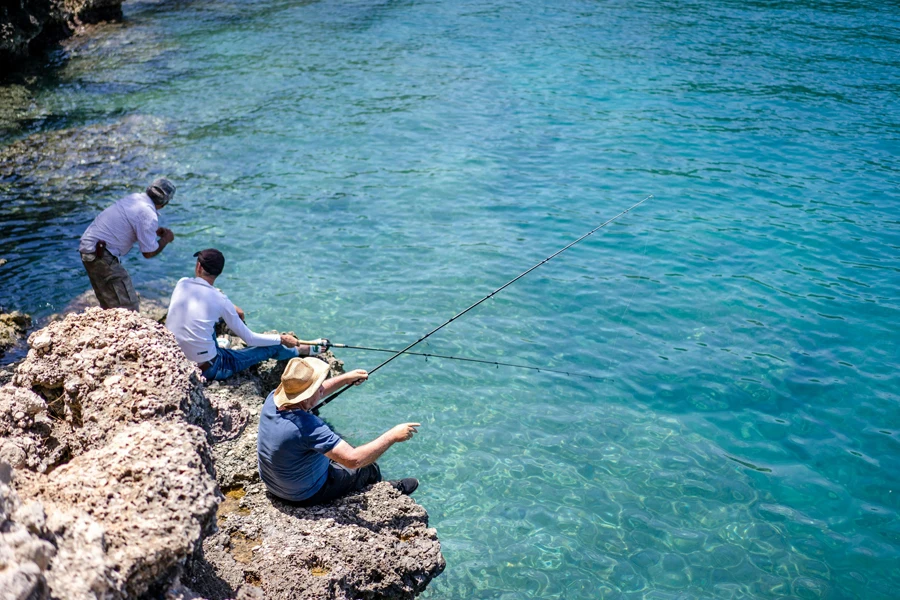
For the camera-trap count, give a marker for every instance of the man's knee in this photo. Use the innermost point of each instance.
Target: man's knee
(124, 292)
(373, 474)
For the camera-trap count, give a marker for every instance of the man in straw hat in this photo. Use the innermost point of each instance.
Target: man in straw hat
(197, 306)
(133, 219)
(301, 460)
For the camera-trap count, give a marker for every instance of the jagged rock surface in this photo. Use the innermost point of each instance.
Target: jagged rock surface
(126, 514)
(24, 554)
(375, 544)
(96, 372)
(115, 489)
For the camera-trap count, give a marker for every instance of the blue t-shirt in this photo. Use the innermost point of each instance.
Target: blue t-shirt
(290, 450)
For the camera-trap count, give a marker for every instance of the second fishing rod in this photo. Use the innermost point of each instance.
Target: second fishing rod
(495, 363)
(486, 298)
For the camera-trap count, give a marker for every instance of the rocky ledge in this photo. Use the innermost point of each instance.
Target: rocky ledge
(27, 25)
(113, 462)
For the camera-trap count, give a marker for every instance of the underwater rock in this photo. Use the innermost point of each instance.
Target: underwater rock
(55, 169)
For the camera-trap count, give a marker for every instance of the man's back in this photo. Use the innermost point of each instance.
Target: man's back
(131, 219)
(291, 448)
(194, 310)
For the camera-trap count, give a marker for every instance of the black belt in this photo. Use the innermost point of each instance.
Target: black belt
(204, 366)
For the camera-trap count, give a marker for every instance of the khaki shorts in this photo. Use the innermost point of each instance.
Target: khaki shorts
(111, 282)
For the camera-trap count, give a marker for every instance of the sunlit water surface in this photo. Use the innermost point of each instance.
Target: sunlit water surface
(371, 168)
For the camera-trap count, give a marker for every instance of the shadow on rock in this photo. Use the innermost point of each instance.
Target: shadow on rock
(375, 544)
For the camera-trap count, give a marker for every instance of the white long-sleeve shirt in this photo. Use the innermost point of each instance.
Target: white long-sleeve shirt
(195, 309)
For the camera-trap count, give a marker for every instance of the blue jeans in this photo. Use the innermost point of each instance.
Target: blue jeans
(228, 362)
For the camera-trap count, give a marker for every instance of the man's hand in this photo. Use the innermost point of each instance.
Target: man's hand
(289, 341)
(357, 376)
(165, 235)
(403, 432)
(165, 238)
(319, 346)
(240, 312)
(356, 458)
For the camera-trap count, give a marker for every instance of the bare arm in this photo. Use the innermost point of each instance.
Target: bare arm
(165, 238)
(355, 377)
(356, 458)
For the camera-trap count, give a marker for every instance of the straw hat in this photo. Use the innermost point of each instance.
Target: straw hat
(301, 379)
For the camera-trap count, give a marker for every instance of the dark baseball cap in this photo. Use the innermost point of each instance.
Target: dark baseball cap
(211, 260)
(161, 191)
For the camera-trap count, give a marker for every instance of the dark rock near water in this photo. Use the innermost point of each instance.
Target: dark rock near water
(27, 26)
(13, 327)
(109, 448)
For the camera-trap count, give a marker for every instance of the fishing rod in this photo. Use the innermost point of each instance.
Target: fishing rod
(485, 299)
(474, 360)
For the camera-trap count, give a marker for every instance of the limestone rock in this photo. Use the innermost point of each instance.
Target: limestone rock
(24, 554)
(115, 492)
(98, 371)
(124, 517)
(235, 454)
(375, 544)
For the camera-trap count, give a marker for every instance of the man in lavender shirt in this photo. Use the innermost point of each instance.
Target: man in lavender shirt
(132, 220)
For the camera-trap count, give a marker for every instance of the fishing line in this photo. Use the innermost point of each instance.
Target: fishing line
(486, 298)
(628, 304)
(474, 360)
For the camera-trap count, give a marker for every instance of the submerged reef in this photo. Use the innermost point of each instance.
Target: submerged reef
(113, 462)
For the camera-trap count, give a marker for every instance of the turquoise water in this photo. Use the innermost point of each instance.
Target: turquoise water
(371, 168)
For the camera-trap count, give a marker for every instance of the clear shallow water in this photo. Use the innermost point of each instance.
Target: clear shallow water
(371, 168)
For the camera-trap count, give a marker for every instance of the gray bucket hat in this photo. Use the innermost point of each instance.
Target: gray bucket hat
(161, 191)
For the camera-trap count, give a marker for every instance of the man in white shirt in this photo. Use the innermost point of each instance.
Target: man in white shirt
(133, 219)
(197, 306)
